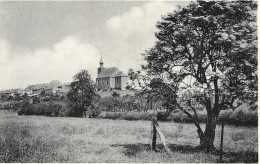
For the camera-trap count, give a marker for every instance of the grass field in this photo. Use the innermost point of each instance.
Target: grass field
(51, 139)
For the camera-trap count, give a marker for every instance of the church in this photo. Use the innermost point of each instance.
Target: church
(110, 78)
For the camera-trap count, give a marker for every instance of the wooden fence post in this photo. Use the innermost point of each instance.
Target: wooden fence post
(153, 132)
(221, 142)
(156, 129)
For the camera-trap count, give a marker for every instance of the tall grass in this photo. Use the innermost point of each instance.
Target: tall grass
(64, 139)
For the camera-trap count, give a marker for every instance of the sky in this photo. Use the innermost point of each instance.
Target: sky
(42, 41)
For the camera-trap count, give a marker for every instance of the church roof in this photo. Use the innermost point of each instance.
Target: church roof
(110, 72)
(120, 73)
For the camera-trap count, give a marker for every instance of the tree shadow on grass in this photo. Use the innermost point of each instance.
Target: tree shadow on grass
(242, 157)
(133, 149)
(228, 157)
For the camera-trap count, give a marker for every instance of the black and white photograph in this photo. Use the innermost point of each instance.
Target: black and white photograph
(115, 81)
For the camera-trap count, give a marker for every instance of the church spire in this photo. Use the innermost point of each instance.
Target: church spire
(101, 62)
(101, 67)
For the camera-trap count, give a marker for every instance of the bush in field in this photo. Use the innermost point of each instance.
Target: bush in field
(128, 103)
(111, 115)
(46, 99)
(43, 108)
(6, 107)
(36, 100)
(140, 116)
(93, 112)
(162, 116)
(47, 109)
(115, 94)
(179, 116)
(132, 116)
(24, 108)
(107, 104)
(242, 116)
(65, 110)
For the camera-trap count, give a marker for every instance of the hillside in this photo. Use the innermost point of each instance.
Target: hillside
(121, 92)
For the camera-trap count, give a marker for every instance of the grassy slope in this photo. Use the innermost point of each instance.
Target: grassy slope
(49, 139)
(121, 92)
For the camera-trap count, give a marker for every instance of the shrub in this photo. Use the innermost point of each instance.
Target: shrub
(36, 100)
(6, 107)
(46, 99)
(131, 116)
(93, 113)
(163, 116)
(65, 110)
(115, 94)
(126, 115)
(47, 109)
(179, 116)
(241, 116)
(24, 108)
(43, 108)
(224, 116)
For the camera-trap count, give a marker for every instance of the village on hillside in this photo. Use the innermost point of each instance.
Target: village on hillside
(108, 79)
(53, 88)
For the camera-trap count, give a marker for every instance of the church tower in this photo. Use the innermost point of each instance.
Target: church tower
(101, 67)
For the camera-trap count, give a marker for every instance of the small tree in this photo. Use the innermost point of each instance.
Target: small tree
(128, 102)
(206, 54)
(25, 96)
(82, 93)
(115, 95)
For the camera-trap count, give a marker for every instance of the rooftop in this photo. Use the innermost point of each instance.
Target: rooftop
(110, 72)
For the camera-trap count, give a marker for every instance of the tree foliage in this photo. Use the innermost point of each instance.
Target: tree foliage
(82, 92)
(205, 54)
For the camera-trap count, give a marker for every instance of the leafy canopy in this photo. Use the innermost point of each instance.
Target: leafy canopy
(82, 91)
(206, 53)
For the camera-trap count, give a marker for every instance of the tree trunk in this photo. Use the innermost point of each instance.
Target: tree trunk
(207, 139)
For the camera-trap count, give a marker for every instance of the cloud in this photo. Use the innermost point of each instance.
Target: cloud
(122, 40)
(139, 20)
(133, 32)
(61, 62)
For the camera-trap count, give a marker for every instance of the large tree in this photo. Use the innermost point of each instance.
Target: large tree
(205, 54)
(82, 93)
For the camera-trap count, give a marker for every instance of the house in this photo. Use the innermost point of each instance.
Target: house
(48, 91)
(63, 89)
(27, 91)
(38, 90)
(47, 88)
(35, 89)
(110, 78)
(52, 87)
(11, 92)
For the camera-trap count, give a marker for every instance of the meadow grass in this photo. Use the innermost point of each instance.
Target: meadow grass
(59, 139)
